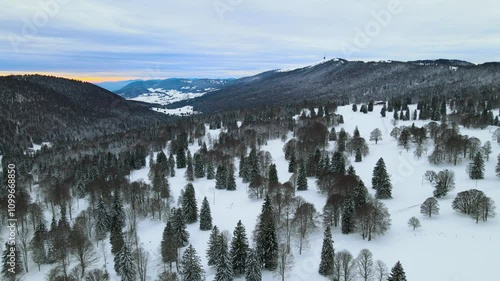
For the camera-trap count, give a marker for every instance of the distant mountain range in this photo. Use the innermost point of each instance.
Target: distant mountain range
(351, 80)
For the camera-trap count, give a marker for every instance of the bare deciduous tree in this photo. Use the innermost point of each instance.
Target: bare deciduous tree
(430, 207)
(285, 262)
(304, 222)
(381, 271)
(365, 265)
(414, 222)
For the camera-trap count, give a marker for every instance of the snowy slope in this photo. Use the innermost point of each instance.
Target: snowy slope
(448, 247)
(164, 97)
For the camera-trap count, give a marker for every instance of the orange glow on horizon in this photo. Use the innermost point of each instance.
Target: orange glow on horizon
(82, 77)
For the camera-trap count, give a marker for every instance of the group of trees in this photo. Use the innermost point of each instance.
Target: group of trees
(474, 203)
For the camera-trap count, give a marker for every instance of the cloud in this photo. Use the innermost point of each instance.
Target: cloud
(232, 38)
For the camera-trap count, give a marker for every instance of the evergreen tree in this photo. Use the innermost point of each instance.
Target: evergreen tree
(239, 249)
(171, 165)
(333, 135)
(117, 210)
(476, 168)
(11, 270)
(179, 227)
(242, 169)
(273, 174)
(370, 106)
(302, 179)
(37, 244)
(189, 174)
(224, 266)
(397, 273)
(395, 115)
(230, 180)
(213, 246)
(414, 115)
(356, 133)
(103, 221)
(168, 249)
(210, 171)
(327, 254)
(381, 181)
(358, 157)
(220, 177)
(338, 163)
(348, 219)
(205, 215)
(360, 195)
(253, 267)
(116, 238)
(265, 236)
(199, 166)
(181, 158)
(292, 164)
(354, 107)
(351, 171)
(189, 205)
(498, 165)
(191, 267)
(125, 265)
(162, 161)
(383, 111)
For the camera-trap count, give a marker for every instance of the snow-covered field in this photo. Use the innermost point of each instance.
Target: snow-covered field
(164, 97)
(181, 111)
(448, 247)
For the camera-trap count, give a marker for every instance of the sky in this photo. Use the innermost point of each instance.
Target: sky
(110, 40)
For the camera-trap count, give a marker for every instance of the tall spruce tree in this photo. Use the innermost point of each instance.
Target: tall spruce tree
(381, 181)
(360, 195)
(273, 174)
(168, 249)
(210, 171)
(476, 168)
(397, 273)
(220, 177)
(338, 163)
(189, 205)
(199, 166)
(239, 249)
(117, 210)
(37, 244)
(181, 158)
(348, 216)
(265, 236)
(179, 227)
(213, 247)
(116, 237)
(230, 180)
(224, 266)
(292, 165)
(189, 174)
(171, 165)
(125, 264)
(103, 221)
(302, 179)
(326, 265)
(205, 215)
(358, 156)
(253, 267)
(191, 267)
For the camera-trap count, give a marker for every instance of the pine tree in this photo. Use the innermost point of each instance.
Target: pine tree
(213, 246)
(292, 164)
(224, 266)
(210, 171)
(168, 249)
(381, 181)
(199, 166)
(103, 221)
(162, 161)
(273, 174)
(253, 267)
(181, 158)
(124, 264)
(348, 216)
(242, 169)
(476, 168)
(358, 157)
(117, 210)
(205, 215)
(265, 236)
(360, 195)
(333, 135)
(220, 177)
(351, 171)
(397, 273)
(179, 227)
(37, 244)
(116, 238)
(11, 270)
(189, 174)
(230, 180)
(354, 107)
(189, 205)
(498, 166)
(239, 249)
(327, 254)
(302, 179)
(191, 267)
(338, 163)
(171, 165)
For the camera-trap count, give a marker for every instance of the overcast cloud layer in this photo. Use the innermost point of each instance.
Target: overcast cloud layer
(118, 39)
